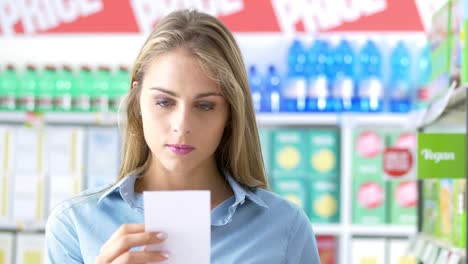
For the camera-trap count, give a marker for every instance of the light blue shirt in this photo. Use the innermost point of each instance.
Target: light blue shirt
(252, 226)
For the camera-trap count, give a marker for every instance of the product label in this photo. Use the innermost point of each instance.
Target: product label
(369, 144)
(8, 102)
(63, 102)
(371, 195)
(397, 162)
(27, 102)
(44, 102)
(82, 103)
(406, 194)
(441, 156)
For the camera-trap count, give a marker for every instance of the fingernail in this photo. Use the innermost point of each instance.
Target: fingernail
(165, 254)
(161, 236)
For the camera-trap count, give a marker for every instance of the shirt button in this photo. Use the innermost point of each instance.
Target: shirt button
(125, 193)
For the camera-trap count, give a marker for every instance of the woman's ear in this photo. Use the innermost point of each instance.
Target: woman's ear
(134, 84)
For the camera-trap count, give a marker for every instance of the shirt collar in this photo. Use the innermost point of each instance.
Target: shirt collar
(125, 186)
(242, 192)
(223, 213)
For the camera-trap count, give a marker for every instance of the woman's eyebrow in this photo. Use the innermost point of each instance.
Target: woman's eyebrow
(207, 94)
(202, 95)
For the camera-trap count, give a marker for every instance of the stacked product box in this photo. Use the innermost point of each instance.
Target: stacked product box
(323, 174)
(403, 194)
(369, 190)
(327, 247)
(379, 198)
(6, 247)
(289, 165)
(307, 174)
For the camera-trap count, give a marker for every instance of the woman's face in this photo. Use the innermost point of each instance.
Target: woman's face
(183, 112)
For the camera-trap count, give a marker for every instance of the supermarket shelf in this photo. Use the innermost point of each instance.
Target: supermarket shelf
(383, 230)
(98, 118)
(429, 249)
(280, 119)
(448, 113)
(22, 228)
(327, 229)
(443, 244)
(263, 119)
(378, 119)
(331, 119)
(13, 117)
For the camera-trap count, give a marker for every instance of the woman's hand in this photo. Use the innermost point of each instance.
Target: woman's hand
(116, 249)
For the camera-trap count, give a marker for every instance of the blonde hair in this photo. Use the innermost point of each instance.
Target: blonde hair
(215, 48)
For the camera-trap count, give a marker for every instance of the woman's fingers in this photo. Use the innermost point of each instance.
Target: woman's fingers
(124, 243)
(138, 257)
(123, 230)
(127, 229)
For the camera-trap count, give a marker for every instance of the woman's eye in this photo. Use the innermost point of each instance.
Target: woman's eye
(164, 102)
(205, 106)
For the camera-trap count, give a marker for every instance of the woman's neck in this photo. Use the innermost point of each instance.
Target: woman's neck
(157, 178)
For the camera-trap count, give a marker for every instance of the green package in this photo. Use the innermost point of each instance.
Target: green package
(294, 189)
(266, 145)
(430, 203)
(324, 204)
(459, 213)
(367, 156)
(323, 155)
(403, 200)
(369, 206)
(289, 152)
(446, 209)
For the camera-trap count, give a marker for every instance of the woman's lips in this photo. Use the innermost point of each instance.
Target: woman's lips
(180, 149)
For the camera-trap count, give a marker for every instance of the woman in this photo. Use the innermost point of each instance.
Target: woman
(191, 125)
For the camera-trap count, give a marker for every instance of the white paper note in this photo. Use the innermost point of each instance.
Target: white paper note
(185, 216)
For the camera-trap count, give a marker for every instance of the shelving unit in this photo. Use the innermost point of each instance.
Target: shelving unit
(446, 115)
(103, 119)
(383, 230)
(346, 122)
(345, 230)
(22, 228)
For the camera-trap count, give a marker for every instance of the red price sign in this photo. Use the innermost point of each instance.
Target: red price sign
(397, 162)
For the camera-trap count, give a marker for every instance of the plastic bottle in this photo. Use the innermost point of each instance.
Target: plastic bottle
(343, 81)
(81, 101)
(293, 93)
(46, 88)
(120, 87)
(101, 89)
(318, 68)
(272, 91)
(8, 88)
(400, 83)
(423, 93)
(370, 89)
(64, 89)
(255, 83)
(27, 91)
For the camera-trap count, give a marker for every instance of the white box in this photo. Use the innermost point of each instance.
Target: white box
(64, 148)
(103, 152)
(6, 169)
(368, 251)
(6, 248)
(29, 248)
(28, 180)
(397, 250)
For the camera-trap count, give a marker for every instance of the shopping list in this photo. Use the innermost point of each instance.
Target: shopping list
(185, 216)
